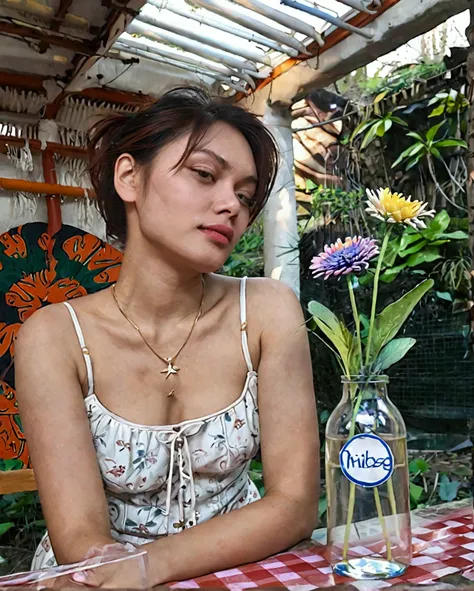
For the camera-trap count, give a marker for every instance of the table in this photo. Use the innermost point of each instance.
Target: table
(443, 554)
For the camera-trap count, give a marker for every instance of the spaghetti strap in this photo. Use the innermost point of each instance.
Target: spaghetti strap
(243, 323)
(84, 349)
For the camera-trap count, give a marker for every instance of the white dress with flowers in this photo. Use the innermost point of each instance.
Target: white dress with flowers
(161, 480)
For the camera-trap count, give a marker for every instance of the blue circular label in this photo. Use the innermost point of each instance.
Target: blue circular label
(366, 460)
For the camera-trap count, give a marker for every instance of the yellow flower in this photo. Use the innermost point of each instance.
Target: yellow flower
(394, 208)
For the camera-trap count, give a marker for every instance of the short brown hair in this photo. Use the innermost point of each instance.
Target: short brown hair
(144, 133)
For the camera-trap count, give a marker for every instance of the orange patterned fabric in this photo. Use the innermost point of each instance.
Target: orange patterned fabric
(37, 270)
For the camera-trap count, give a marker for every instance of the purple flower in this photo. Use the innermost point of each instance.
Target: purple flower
(351, 256)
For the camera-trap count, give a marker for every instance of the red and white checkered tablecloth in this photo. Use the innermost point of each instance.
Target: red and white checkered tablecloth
(442, 545)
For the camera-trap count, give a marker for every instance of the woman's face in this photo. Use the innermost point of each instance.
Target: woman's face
(197, 213)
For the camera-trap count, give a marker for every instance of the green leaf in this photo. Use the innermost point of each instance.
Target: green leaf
(391, 319)
(411, 151)
(417, 136)
(414, 161)
(418, 466)
(448, 489)
(462, 471)
(408, 239)
(399, 121)
(369, 136)
(415, 492)
(413, 249)
(4, 527)
(333, 329)
(458, 235)
(431, 133)
(437, 112)
(444, 295)
(436, 153)
(392, 353)
(387, 125)
(428, 255)
(363, 126)
(451, 144)
(437, 225)
(323, 417)
(391, 274)
(323, 506)
(381, 96)
(317, 309)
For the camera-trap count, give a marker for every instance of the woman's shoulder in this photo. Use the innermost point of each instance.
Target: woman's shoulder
(52, 324)
(265, 297)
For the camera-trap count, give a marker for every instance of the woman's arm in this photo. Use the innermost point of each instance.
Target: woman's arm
(59, 438)
(290, 455)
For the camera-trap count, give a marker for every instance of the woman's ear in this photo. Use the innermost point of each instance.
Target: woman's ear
(126, 179)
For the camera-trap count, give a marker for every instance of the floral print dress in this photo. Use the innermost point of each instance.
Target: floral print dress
(161, 480)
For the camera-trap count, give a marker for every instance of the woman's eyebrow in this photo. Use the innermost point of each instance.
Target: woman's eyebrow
(248, 179)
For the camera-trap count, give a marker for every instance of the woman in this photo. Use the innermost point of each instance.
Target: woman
(140, 402)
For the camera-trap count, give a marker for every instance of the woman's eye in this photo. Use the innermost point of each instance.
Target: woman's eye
(245, 200)
(204, 174)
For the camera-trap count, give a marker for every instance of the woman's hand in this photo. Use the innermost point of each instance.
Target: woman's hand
(130, 572)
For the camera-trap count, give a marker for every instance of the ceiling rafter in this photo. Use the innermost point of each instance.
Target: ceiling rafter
(61, 13)
(50, 38)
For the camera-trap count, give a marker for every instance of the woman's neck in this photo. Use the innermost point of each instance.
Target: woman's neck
(150, 290)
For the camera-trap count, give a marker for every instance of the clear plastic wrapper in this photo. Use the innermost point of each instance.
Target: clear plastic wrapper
(112, 568)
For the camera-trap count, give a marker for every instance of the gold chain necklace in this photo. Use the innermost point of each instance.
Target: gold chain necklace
(172, 369)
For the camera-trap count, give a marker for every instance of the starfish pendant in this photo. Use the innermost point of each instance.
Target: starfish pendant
(171, 369)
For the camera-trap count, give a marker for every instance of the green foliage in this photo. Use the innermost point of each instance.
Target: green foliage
(400, 79)
(334, 201)
(430, 485)
(392, 353)
(256, 475)
(391, 319)
(427, 146)
(376, 127)
(247, 257)
(414, 248)
(448, 103)
(383, 354)
(448, 489)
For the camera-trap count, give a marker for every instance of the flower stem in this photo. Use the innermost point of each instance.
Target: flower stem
(351, 503)
(375, 294)
(393, 505)
(355, 313)
(383, 525)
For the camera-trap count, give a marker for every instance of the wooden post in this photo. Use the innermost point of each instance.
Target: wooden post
(470, 141)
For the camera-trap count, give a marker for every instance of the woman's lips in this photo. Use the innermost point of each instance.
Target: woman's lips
(219, 234)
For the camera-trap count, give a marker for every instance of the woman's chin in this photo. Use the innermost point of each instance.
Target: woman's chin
(209, 264)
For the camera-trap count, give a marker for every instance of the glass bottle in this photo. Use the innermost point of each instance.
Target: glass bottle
(369, 535)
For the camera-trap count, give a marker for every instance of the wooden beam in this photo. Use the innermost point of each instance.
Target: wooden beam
(116, 23)
(23, 81)
(60, 15)
(15, 481)
(396, 24)
(43, 188)
(35, 146)
(360, 20)
(80, 47)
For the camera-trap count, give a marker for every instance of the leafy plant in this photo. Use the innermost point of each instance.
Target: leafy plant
(448, 103)
(414, 248)
(247, 257)
(376, 127)
(381, 350)
(427, 147)
(334, 201)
